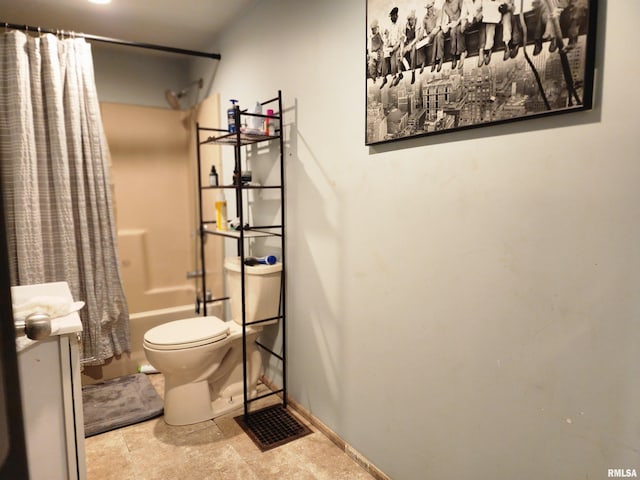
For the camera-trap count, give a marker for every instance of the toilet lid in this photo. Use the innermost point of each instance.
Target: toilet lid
(187, 333)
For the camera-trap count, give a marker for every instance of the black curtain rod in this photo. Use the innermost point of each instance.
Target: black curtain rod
(96, 38)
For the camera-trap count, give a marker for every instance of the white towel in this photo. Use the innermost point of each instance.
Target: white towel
(53, 306)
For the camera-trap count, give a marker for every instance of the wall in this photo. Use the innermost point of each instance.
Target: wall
(463, 305)
(149, 148)
(138, 76)
(155, 148)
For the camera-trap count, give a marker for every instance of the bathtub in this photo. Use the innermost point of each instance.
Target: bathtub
(139, 323)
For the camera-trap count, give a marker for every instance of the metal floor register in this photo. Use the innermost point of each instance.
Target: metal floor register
(272, 427)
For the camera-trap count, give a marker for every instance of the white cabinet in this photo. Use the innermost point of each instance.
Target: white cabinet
(51, 393)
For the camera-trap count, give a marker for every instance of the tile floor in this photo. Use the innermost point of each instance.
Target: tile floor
(217, 449)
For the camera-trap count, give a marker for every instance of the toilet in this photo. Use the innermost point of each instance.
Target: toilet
(201, 357)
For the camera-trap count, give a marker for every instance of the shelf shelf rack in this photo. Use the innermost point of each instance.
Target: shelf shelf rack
(238, 140)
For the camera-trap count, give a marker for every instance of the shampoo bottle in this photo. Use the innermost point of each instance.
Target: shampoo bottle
(221, 212)
(231, 116)
(268, 123)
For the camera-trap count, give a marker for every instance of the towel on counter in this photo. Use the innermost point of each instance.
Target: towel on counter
(55, 307)
(52, 306)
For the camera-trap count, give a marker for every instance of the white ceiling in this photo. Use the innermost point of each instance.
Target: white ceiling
(188, 24)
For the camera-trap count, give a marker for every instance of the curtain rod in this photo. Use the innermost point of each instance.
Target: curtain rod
(96, 38)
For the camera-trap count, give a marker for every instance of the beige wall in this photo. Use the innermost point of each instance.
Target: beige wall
(154, 177)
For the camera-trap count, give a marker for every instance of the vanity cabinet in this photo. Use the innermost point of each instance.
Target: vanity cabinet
(51, 391)
(52, 408)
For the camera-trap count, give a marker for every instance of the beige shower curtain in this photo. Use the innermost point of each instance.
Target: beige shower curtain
(55, 182)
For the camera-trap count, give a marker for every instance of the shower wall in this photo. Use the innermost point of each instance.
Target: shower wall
(152, 179)
(154, 184)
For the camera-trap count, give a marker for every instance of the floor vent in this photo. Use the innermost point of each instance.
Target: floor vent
(272, 427)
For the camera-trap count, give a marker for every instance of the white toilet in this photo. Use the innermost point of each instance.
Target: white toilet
(201, 357)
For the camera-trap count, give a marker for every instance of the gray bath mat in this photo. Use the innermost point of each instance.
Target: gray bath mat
(119, 402)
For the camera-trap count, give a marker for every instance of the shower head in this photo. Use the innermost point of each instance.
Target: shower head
(173, 98)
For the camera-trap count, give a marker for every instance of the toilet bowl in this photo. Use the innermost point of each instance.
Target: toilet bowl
(201, 357)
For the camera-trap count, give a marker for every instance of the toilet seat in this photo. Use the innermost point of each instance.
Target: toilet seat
(187, 333)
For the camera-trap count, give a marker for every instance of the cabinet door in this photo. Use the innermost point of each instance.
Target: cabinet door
(49, 420)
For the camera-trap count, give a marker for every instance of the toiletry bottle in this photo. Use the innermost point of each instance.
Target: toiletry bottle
(256, 122)
(268, 125)
(221, 212)
(274, 123)
(231, 116)
(213, 177)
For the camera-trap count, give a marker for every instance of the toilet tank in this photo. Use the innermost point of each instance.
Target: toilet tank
(262, 290)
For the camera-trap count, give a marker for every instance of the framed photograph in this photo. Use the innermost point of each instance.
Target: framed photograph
(435, 66)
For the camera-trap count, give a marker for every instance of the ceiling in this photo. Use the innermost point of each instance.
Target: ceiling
(187, 24)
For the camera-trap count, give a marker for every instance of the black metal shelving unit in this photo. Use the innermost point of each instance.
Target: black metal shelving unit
(238, 141)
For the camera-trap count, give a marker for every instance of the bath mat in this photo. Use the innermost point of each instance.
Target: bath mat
(271, 427)
(119, 402)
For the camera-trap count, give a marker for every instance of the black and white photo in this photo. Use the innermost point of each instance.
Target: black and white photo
(440, 65)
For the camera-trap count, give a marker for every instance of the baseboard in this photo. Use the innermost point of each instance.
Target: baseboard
(360, 459)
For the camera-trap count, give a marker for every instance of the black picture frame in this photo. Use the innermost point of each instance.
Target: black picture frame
(449, 81)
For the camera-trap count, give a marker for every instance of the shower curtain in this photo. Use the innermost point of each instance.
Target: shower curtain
(55, 183)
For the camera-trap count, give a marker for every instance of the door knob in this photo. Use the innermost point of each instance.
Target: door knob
(36, 326)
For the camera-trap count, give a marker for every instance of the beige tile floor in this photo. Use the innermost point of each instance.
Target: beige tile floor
(216, 449)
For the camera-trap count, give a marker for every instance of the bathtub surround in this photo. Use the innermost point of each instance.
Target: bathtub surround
(155, 147)
(153, 179)
(55, 182)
